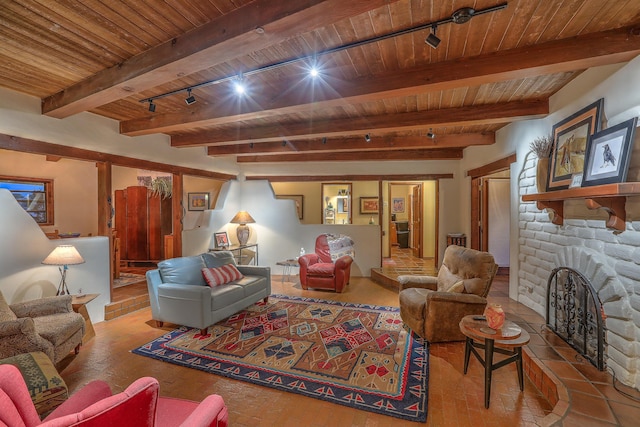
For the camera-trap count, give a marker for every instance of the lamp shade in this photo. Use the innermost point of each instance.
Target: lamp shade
(242, 217)
(64, 255)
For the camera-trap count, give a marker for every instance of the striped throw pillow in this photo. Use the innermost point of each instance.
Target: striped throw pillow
(221, 275)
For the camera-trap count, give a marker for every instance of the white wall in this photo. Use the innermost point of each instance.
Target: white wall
(23, 246)
(277, 229)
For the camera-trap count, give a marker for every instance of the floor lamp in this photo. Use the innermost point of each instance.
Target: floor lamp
(63, 256)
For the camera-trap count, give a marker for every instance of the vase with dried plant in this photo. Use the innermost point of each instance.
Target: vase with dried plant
(541, 147)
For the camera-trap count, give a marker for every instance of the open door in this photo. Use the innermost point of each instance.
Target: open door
(416, 220)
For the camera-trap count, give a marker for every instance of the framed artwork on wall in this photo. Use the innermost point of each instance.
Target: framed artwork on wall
(608, 153)
(298, 199)
(369, 205)
(397, 205)
(198, 201)
(570, 139)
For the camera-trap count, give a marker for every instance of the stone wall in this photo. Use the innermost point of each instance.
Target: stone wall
(611, 261)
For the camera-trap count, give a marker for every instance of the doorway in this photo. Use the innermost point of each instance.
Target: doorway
(410, 213)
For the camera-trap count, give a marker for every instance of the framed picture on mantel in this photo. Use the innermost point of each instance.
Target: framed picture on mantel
(570, 139)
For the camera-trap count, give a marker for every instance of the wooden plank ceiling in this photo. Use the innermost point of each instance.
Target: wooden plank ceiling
(375, 100)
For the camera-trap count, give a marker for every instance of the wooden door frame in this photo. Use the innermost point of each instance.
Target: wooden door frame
(421, 219)
(478, 199)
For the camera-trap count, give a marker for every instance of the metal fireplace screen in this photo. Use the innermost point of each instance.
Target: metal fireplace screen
(574, 313)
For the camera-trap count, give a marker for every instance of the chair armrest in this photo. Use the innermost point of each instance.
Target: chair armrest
(308, 259)
(423, 282)
(20, 336)
(343, 262)
(455, 298)
(212, 411)
(43, 306)
(83, 398)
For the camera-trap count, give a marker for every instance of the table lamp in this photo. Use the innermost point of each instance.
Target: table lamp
(63, 256)
(242, 232)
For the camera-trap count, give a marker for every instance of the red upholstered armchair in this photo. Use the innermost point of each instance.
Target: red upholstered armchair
(330, 266)
(94, 405)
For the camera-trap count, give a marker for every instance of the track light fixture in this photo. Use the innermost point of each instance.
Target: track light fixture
(460, 16)
(367, 138)
(430, 134)
(324, 140)
(433, 40)
(190, 98)
(284, 143)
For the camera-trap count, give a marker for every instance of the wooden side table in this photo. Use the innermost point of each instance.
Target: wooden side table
(79, 306)
(507, 340)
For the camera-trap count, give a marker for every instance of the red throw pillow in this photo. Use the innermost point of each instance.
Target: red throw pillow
(221, 275)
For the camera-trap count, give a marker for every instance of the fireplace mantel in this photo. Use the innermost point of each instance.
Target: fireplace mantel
(610, 197)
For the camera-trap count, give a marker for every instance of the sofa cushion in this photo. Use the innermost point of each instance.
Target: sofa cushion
(225, 295)
(221, 275)
(252, 284)
(218, 258)
(321, 269)
(183, 270)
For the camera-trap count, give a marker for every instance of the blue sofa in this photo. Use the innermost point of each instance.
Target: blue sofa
(179, 294)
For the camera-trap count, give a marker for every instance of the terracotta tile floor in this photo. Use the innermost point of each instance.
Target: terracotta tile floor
(587, 397)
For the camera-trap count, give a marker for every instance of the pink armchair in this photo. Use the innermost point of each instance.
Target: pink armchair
(330, 266)
(94, 405)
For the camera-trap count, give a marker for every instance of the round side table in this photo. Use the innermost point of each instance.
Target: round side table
(507, 340)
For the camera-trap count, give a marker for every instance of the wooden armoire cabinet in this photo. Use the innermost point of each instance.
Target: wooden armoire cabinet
(141, 221)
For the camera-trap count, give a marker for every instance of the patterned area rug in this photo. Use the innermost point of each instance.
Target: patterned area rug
(352, 354)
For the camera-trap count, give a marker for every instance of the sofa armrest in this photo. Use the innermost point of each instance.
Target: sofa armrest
(423, 282)
(43, 306)
(20, 336)
(254, 270)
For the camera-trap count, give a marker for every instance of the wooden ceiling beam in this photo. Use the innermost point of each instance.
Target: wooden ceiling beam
(225, 38)
(350, 178)
(570, 54)
(416, 120)
(32, 146)
(382, 143)
(442, 154)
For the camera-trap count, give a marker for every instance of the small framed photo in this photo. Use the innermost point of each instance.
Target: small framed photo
(608, 152)
(397, 205)
(576, 181)
(222, 239)
(198, 201)
(369, 205)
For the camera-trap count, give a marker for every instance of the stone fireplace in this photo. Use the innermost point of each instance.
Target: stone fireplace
(609, 261)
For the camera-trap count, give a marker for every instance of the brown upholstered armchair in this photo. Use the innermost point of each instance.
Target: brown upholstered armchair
(433, 306)
(48, 325)
(330, 266)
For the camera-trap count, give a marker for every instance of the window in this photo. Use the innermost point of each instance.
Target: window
(35, 195)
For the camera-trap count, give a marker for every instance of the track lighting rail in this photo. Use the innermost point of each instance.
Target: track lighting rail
(460, 16)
